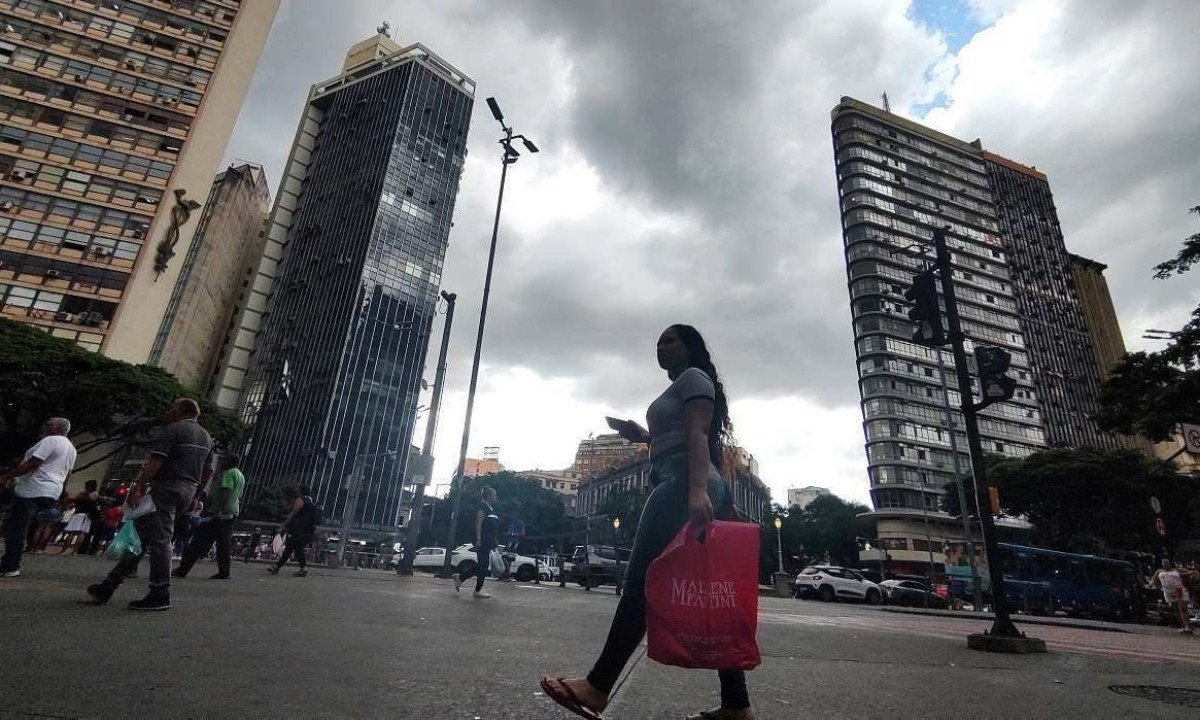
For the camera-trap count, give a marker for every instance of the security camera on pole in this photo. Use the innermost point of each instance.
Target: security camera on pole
(995, 387)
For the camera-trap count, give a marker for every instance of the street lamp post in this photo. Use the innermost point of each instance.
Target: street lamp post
(435, 403)
(928, 538)
(617, 550)
(780, 578)
(508, 157)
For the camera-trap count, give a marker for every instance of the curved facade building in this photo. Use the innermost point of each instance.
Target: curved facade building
(897, 182)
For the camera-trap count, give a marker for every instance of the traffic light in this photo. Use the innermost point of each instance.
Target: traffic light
(994, 384)
(925, 312)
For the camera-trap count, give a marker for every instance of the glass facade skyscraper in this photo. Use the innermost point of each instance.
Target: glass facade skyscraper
(336, 332)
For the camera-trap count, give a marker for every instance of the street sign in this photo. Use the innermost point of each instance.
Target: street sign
(1191, 438)
(1160, 526)
(1155, 505)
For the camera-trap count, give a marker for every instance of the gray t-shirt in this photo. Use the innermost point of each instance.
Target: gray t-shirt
(664, 417)
(186, 449)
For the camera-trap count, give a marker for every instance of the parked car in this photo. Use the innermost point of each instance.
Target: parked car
(596, 564)
(829, 583)
(911, 592)
(549, 567)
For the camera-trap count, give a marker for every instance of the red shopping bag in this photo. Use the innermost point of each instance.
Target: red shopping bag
(702, 599)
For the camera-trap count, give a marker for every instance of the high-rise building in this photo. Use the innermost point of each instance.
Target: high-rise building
(898, 181)
(601, 452)
(336, 325)
(228, 237)
(1061, 348)
(801, 497)
(113, 119)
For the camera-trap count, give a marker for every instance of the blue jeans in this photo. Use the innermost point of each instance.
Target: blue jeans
(155, 530)
(23, 510)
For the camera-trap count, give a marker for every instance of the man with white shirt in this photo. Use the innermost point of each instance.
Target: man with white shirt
(40, 478)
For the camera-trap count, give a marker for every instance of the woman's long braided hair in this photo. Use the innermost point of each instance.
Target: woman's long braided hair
(720, 433)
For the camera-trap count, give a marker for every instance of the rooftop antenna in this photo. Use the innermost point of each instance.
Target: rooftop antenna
(887, 106)
(384, 29)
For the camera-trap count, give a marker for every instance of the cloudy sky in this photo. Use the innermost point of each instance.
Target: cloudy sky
(686, 175)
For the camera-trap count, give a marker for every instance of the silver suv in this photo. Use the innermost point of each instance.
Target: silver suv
(829, 583)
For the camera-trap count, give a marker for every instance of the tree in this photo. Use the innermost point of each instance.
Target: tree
(826, 527)
(1089, 500)
(1149, 393)
(112, 402)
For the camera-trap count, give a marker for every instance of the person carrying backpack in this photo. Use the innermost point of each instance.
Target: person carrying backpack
(300, 525)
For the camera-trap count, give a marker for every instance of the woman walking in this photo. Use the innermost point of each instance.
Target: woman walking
(78, 530)
(300, 525)
(688, 423)
(486, 527)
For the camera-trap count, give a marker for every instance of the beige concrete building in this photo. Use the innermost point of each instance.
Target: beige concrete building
(228, 240)
(113, 120)
(597, 454)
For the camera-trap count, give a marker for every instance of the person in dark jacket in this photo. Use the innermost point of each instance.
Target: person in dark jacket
(300, 526)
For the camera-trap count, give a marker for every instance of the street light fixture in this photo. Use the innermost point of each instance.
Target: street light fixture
(507, 157)
(617, 551)
(779, 541)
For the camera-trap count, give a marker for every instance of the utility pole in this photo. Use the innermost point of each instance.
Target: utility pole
(348, 508)
(417, 512)
(1004, 636)
(976, 589)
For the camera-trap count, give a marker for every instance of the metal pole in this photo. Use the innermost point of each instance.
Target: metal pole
(976, 588)
(435, 403)
(928, 538)
(457, 483)
(779, 547)
(349, 507)
(1003, 626)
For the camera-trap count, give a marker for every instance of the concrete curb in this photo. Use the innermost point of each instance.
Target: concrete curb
(1022, 619)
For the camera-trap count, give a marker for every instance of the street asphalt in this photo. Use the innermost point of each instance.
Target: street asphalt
(369, 644)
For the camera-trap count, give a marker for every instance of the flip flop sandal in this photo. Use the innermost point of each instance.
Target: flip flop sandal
(557, 690)
(704, 715)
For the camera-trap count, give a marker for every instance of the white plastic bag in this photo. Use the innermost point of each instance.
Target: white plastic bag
(145, 506)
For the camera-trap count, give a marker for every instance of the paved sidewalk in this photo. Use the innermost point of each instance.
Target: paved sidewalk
(370, 644)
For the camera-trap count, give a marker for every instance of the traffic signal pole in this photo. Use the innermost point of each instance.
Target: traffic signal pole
(1004, 636)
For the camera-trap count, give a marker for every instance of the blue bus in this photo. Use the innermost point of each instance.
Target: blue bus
(1045, 582)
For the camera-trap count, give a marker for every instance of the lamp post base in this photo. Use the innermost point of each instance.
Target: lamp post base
(1022, 645)
(780, 581)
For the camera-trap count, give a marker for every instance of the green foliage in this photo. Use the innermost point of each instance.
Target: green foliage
(1089, 500)
(43, 376)
(1149, 393)
(827, 527)
(270, 505)
(539, 508)
(627, 505)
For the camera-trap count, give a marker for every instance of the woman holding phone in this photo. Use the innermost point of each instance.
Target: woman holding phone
(688, 423)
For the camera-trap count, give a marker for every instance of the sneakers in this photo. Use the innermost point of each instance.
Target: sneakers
(300, 573)
(177, 573)
(273, 569)
(457, 582)
(219, 576)
(10, 573)
(99, 593)
(152, 602)
(481, 595)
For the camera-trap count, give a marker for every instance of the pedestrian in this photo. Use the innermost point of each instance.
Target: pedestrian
(39, 483)
(252, 546)
(486, 531)
(689, 425)
(1175, 594)
(87, 511)
(300, 525)
(217, 525)
(180, 461)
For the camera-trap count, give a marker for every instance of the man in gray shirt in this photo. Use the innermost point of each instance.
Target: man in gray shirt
(180, 461)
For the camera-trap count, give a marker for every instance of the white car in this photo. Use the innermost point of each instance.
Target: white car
(524, 568)
(830, 583)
